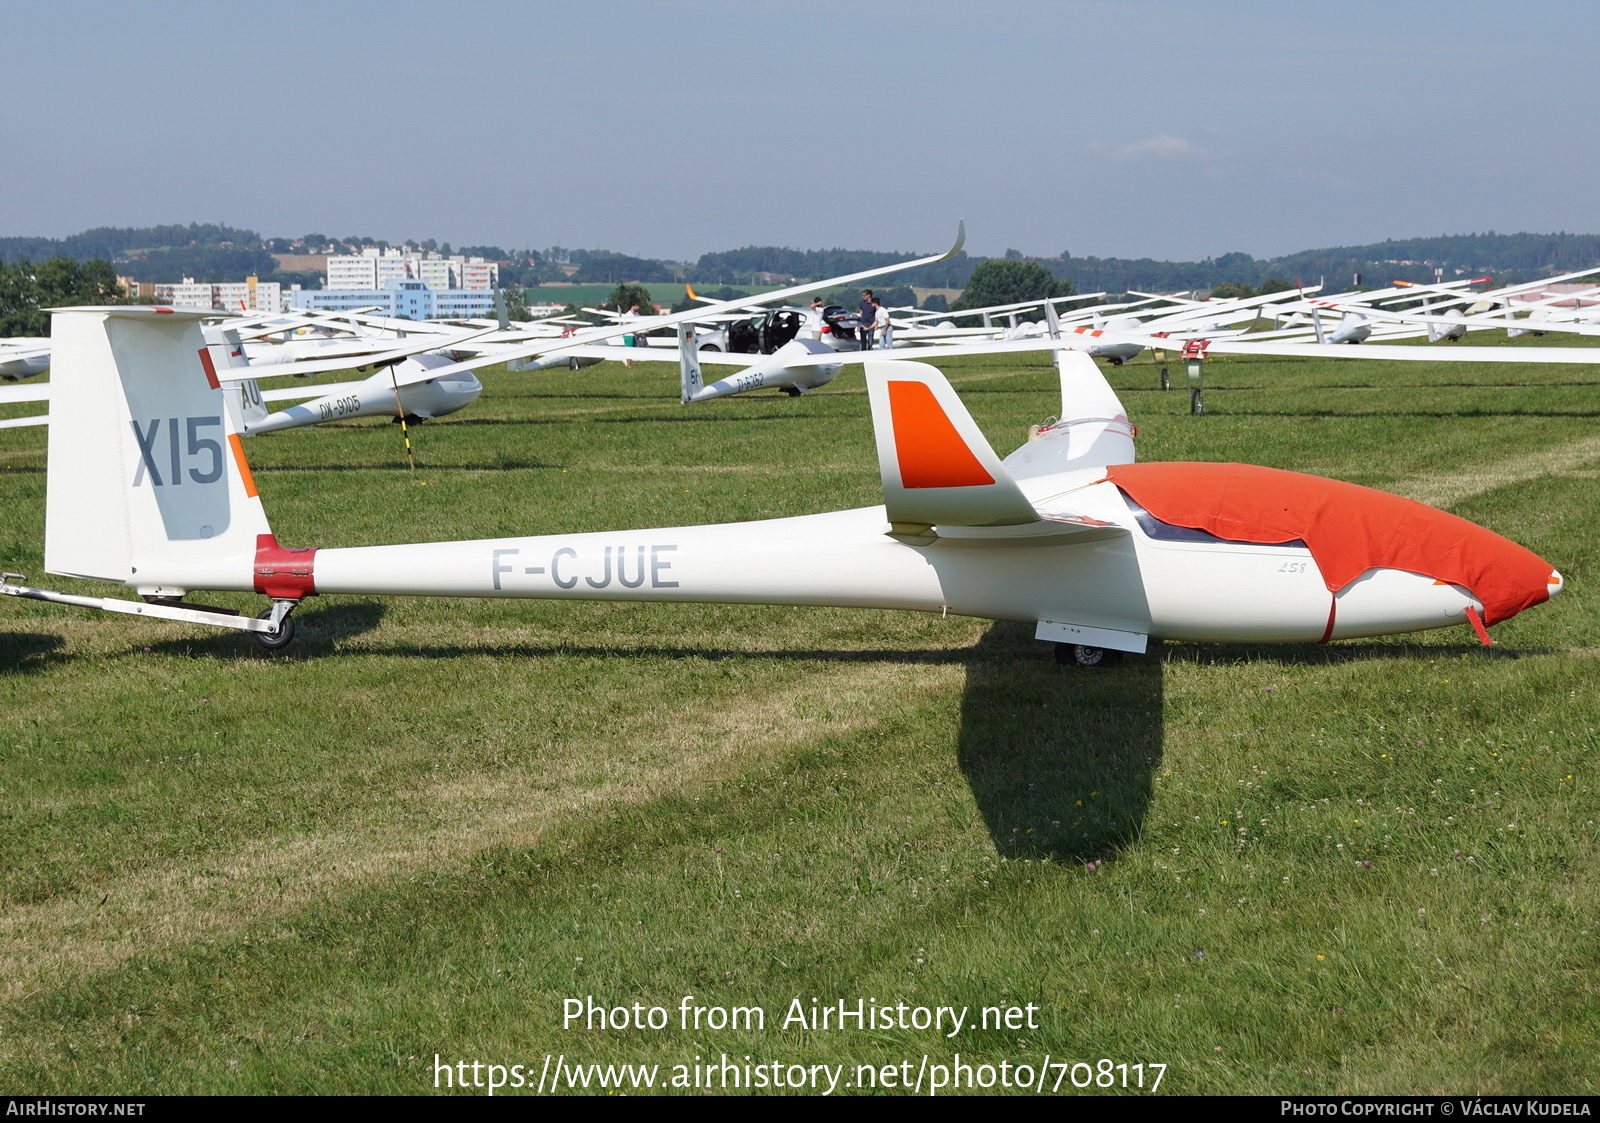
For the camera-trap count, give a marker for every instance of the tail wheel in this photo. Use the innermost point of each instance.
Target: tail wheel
(1082, 655)
(283, 637)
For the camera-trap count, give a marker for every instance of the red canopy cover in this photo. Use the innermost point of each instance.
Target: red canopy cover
(1350, 529)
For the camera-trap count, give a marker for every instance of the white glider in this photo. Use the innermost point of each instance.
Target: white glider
(149, 489)
(1247, 345)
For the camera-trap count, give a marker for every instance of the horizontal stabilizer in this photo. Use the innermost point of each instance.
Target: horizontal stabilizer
(937, 468)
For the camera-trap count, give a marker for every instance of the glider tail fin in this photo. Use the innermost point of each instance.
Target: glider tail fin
(1093, 430)
(937, 468)
(243, 395)
(690, 378)
(245, 405)
(1092, 414)
(147, 481)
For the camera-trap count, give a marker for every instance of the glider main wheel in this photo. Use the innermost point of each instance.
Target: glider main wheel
(276, 641)
(1082, 655)
(791, 391)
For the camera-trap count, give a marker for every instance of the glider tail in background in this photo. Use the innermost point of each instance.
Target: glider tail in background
(243, 395)
(148, 486)
(690, 378)
(1052, 320)
(1092, 432)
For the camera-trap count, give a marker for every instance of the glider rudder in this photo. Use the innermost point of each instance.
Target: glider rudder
(147, 481)
(937, 467)
(690, 379)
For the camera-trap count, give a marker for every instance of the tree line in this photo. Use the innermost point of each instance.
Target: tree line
(27, 291)
(217, 252)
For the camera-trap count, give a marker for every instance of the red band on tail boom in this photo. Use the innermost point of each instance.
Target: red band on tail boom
(284, 574)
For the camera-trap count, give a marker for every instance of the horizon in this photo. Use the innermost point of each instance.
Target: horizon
(416, 243)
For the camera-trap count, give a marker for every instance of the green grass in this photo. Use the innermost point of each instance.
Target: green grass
(428, 823)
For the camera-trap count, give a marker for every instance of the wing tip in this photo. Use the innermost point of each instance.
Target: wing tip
(961, 239)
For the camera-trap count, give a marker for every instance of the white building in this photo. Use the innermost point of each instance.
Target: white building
(476, 273)
(412, 299)
(249, 295)
(374, 269)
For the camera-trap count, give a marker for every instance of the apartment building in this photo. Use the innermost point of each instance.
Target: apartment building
(249, 295)
(411, 299)
(373, 269)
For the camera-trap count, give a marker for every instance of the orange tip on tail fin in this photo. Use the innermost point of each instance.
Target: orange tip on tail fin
(936, 466)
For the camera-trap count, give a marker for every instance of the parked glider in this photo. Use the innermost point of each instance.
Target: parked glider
(148, 488)
(572, 346)
(23, 358)
(797, 367)
(1454, 325)
(1247, 345)
(379, 395)
(409, 383)
(451, 383)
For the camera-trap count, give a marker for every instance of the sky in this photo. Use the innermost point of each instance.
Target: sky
(1140, 128)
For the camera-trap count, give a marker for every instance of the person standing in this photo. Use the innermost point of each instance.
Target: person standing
(817, 322)
(867, 318)
(633, 339)
(884, 325)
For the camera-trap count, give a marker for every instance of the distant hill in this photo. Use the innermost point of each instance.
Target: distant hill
(111, 243)
(212, 252)
(163, 254)
(1506, 257)
(1527, 255)
(1509, 257)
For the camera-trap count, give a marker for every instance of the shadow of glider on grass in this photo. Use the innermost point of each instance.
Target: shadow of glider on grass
(148, 488)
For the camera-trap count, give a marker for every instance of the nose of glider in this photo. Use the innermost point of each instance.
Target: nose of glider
(1351, 531)
(1503, 576)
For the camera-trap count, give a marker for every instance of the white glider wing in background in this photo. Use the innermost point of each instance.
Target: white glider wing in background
(695, 315)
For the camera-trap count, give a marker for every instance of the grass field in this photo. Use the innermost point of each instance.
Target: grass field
(1369, 867)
